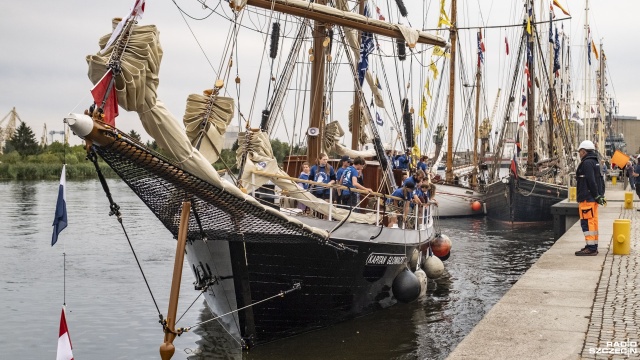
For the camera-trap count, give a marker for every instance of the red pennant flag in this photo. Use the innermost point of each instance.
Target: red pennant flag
(99, 91)
(380, 17)
(64, 340)
(506, 43)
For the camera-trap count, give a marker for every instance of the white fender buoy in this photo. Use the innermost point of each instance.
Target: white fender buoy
(422, 278)
(433, 267)
(413, 262)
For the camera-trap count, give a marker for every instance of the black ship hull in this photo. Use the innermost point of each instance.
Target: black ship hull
(264, 275)
(520, 200)
(328, 285)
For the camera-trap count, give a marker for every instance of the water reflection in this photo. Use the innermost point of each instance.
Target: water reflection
(487, 258)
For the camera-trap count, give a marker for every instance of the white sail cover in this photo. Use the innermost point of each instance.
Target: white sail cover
(261, 167)
(137, 91)
(331, 142)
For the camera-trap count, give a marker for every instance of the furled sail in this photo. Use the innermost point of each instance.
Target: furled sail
(136, 89)
(206, 119)
(261, 167)
(331, 142)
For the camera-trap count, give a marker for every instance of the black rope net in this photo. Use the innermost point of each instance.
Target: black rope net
(216, 214)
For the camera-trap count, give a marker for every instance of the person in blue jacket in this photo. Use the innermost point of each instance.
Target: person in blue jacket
(590, 194)
(422, 164)
(350, 180)
(322, 173)
(345, 162)
(402, 161)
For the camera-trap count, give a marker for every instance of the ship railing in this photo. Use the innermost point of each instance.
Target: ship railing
(419, 212)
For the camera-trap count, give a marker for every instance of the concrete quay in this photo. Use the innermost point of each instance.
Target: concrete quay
(567, 306)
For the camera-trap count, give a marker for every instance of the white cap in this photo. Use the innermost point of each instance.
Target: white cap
(587, 145)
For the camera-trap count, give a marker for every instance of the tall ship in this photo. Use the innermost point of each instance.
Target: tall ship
(542, 138)
(266, 269)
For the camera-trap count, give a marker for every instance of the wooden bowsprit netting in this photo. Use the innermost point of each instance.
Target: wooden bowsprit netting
(217, 214)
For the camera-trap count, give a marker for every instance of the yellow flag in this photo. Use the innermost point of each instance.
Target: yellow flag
(437, 50)
(427, 88)
(434, 70)
(423, 107)
(528, 25)
(595, 51)
(444, 18)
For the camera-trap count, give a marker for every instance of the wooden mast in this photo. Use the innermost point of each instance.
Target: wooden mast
(531, 144)
(552, 105)
(167, 348)
(474, 174)
(452, 87)
(355, 114)
(316, 115)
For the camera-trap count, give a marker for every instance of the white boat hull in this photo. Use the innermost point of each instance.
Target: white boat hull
(456, 201)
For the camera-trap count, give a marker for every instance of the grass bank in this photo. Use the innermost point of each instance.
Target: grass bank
(40, 171)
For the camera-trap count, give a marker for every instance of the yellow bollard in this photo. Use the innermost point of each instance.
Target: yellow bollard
(614, 180)
(572, 194)
(621, 237)
(628, 200)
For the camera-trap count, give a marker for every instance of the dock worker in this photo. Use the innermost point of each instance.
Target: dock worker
(590, 194)
(636, 177)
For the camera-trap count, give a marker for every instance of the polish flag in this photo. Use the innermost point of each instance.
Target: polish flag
(64, 341)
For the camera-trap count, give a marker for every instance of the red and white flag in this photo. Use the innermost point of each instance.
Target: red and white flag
(380, 17)
(64, 341)
(136, 13)
(99, 92)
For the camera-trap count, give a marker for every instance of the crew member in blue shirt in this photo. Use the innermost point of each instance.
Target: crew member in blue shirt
(350, 180)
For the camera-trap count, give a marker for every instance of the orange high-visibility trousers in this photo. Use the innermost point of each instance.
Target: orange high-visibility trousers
(589, 221)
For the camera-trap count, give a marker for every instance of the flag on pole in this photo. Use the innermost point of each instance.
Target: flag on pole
(589, 42)
(506, 44)
(480, 48)
(444, 18)
(379, 119)
(380, 17)
(366, 48)
(64, 340)
(60, 219)
(514, 164)
(594, 49)
(136, 13)
(106, 87)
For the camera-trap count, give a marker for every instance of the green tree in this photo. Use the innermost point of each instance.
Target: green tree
(280, 149)
(24, 141)
(135, 135)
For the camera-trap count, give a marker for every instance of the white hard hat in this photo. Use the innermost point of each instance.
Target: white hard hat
(587, 145)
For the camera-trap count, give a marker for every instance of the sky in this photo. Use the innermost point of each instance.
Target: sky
(43, 44)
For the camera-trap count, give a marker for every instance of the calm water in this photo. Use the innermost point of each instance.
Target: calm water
(112, 316)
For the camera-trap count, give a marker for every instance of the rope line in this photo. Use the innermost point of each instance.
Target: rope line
(296, 286)
(115, 210)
